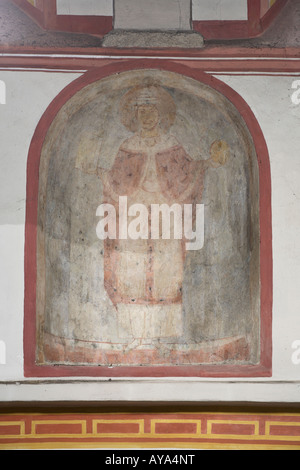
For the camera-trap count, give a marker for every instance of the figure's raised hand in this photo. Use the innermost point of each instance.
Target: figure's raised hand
(219, 153)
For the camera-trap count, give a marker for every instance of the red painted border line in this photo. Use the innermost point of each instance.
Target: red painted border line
(262, 416)
(140, 442)
(209, 51)
(215, 29)
(264, 368)
(287, 65)
(233, 436)
(272, 13)
(157, 440)
(216, 73)
(36, 14)
(96, 25)
(254, 18)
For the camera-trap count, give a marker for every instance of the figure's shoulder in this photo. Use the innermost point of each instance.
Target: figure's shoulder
(131, 145)
(171, 145)
(166, 143)
(172, 141)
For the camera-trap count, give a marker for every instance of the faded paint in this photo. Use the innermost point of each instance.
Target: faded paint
(206, 305)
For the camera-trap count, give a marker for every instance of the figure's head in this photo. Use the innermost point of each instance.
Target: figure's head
(147, 107)
(147, 116)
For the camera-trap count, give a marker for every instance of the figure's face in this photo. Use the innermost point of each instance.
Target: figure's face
(148, 116)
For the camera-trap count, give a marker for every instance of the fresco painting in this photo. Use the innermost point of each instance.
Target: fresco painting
(156, 138)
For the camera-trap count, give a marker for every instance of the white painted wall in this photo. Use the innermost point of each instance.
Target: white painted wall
(127, 11)
(28, 95)
(219, 10)
(270, 99)
(152, 14)
(85, 7)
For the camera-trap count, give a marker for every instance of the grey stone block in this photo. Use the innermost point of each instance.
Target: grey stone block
(153, 39)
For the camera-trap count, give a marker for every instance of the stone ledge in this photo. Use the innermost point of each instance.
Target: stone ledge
(153, 39)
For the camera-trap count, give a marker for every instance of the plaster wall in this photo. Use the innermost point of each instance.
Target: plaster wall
(88, 7)
(152, 14)
(219, 10)
(270, 98)
(147, 11)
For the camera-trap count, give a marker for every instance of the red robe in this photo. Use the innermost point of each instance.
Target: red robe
(177, 173)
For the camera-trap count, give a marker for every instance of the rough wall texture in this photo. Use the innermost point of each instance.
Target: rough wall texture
(17, 29)
(148, 301)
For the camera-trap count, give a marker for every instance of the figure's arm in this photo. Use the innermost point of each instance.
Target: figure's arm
(88, 168)
(219, 155)
(104, 174)
(88, 151)
(199, 168)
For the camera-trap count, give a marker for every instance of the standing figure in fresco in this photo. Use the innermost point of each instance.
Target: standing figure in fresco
(144, 277)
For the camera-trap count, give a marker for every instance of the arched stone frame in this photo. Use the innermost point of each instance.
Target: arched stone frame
(227, 370)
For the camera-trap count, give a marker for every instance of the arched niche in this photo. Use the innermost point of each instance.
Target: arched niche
(88, 310)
